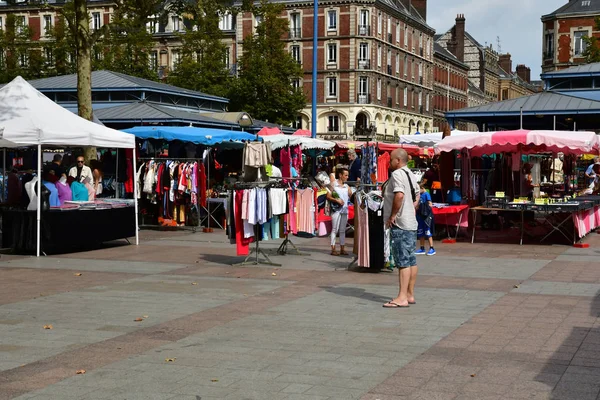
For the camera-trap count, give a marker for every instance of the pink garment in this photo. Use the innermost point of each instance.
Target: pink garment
(64, 192)
(296, 154)
(363, 227)
(91, 192)
(286, 163)
(306, 218)
(292, 216)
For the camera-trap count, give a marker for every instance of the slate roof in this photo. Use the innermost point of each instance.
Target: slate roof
(438, 48)
(115, 80)
(545, 102)
(476, 89)
(148, 112)
(585, 69)
(575, 7)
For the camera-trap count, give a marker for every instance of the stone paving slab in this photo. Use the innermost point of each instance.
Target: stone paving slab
(147, 267)
(307, 330)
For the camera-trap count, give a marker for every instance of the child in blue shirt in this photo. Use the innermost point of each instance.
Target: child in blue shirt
(425, 221)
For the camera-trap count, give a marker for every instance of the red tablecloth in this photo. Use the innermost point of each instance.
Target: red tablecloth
(325, 218)
(452, 215)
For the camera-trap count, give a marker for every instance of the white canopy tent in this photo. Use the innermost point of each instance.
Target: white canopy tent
(429, 139)
(306, 143)
(28, 118)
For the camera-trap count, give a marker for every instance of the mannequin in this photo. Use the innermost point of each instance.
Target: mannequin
(31, 189)
(557, 169)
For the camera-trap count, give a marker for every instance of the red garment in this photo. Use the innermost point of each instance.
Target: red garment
(202, 186)
(129, 164)
(161, 168)
(296, 155)
(242, 245)
(383, 165)
(286, 163)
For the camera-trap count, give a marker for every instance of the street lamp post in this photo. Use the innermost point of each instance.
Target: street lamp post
(314, 68)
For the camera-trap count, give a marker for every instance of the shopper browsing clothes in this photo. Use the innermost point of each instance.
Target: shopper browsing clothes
(425, 222)
(81, 172)
(338, 195)
(401, 196)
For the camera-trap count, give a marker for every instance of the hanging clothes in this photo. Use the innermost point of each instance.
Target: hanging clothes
(285, 159)
(383, 165)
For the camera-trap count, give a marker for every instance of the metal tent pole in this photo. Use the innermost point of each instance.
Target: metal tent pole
(3, 175)
(39, 201)
(117, 176)
(315, 51)
(135, 198)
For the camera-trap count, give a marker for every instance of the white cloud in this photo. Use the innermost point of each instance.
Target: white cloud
(516, 22)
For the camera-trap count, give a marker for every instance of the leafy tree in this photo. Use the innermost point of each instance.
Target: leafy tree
(127, 45)
(202, 65)
(592, 50)
(264, 87)
(18, 55)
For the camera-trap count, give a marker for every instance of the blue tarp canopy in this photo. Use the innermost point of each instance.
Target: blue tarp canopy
(204, 136)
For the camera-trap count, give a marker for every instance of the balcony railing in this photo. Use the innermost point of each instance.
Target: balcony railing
(364, 30)
(364, 64)
(364, 98)
(295, 33)
(389, 70)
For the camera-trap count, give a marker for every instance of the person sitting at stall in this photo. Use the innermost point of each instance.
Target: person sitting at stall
(55, 167)
(589, 172)
(354, 168)
(81, 171)
(338, 196)
(96, 167)
(527, 181)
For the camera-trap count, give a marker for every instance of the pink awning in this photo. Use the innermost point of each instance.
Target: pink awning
(303, 132)
(269, 131)
(521, 141)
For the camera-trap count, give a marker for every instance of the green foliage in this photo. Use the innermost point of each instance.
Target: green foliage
(203, 65)
(592, 50)
(127, 44)
(17, 54)
(267, 69)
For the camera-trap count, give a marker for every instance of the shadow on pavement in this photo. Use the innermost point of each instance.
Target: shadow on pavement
(577, 359)
(358, 293)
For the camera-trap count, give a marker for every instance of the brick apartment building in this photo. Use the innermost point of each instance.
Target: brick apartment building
(375, 66)
(450, 85)
(563, 33)
(375, 60)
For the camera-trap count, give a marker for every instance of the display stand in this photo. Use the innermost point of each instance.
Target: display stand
(360, 185)
(257, 250)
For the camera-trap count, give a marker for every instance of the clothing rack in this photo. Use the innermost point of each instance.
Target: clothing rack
(257, 250)
(181, 159)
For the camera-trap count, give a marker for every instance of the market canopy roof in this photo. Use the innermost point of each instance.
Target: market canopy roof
(27, 117)
(410, 149)
(521, 141)
(306, 143)
(268, 131)
(203, 136)
(428, 139)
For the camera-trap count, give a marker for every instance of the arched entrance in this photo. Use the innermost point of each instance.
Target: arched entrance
(362, 120)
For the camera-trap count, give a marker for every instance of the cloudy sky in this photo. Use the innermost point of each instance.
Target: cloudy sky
(516, 22)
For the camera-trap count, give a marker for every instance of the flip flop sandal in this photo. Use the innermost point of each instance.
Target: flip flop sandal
(335, 253)
(412, 302)
(391, 304)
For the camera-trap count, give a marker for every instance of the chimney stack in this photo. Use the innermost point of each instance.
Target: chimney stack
(421, 7)
(505, 62)
(524, 72)
(456, 44)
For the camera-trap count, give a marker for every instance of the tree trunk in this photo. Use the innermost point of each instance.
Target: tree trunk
(84, 68)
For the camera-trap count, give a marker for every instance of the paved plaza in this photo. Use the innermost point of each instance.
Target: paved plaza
(173, 319)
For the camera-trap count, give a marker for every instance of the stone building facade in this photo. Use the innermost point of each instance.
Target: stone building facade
(450, 86)
(375, 66)
(563, 32)
(375, 60)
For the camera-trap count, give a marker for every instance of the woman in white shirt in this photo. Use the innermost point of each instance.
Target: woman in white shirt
(338, 195)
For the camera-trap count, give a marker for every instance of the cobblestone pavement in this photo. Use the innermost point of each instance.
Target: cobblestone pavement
(173, 319)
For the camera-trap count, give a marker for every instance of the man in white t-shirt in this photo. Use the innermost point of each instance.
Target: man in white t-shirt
(401, 196)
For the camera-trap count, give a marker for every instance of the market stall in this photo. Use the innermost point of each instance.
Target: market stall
(564, 215)
(31, 119)
(187, 205)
